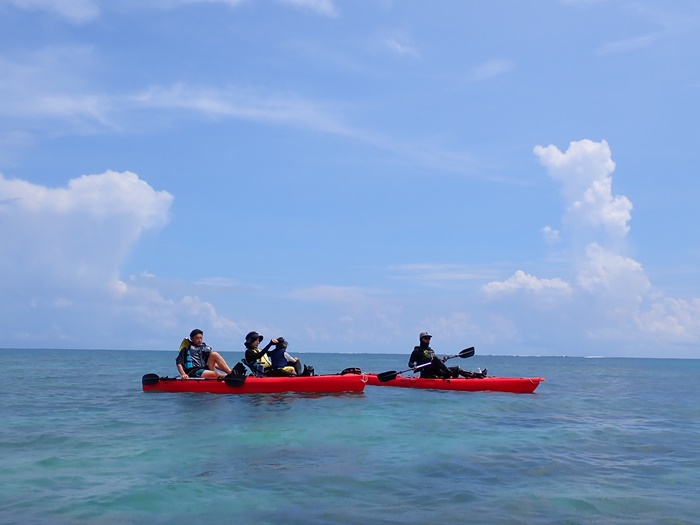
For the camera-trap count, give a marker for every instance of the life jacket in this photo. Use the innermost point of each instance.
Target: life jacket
(184, 356)
(426, 353)
(277, 357)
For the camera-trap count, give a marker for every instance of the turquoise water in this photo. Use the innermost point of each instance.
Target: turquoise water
(602, 441)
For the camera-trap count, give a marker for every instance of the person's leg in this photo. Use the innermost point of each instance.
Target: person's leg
(436, 370)
(463, 373)
(443, 370)
(216, 361)
(298, 367)
(211, 374)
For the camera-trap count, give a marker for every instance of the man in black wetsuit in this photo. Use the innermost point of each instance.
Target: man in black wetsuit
(434, 367)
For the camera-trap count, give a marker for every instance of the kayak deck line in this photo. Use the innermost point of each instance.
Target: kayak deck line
(513, 385)
(317, 384)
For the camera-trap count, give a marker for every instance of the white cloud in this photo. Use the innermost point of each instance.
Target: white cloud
(76, 11)
(489, 69)
(609, 295)
(551, 235)
(584, 171)
(77, 235)
(454, 326)
(48, 83)
(401, 49)
(613, 277)
(322, 7)
(431, 273)
(335, 294)
(235, 103)
(630, 44)
(230, 3)
(63, 248)
(521, 281)
(676, 319)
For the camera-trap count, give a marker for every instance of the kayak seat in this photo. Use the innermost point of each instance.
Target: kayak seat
(251, 367)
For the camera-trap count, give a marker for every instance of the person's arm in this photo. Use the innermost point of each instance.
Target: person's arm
(180, 369)
(180, 360)
(413, 360)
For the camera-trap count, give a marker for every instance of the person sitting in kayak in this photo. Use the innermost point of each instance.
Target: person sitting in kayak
(433, 366)
(197, 359)
(259, 358)
(281, 360)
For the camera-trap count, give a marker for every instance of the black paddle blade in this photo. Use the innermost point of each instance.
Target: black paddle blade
(467, 352)
(150, 379)
(387, 376)
(234, 380)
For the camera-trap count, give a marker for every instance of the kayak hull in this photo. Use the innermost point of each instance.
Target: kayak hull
(513, 385)
(320, 384)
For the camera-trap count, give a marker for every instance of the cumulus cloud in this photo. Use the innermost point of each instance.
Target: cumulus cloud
(525, 282)
(79, 233)
(612, 275)
(607, 290)
(678, 318)
(63, 248)
(584, 172)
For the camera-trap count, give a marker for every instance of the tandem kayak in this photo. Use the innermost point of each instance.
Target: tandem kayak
(320, 384)
(513, 385)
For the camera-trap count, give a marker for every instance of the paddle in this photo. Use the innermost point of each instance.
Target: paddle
(388, 376)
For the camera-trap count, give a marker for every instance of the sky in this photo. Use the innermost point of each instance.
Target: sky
(521, 177)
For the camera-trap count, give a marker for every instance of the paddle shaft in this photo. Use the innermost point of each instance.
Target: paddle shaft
(388, 376)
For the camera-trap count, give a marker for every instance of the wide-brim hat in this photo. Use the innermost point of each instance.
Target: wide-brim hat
(252, 336)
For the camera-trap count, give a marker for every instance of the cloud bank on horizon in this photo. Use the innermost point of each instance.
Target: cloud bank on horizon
(234, 197)
(74, 240)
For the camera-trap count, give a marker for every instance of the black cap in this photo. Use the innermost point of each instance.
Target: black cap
(252, 336)
(282, 342)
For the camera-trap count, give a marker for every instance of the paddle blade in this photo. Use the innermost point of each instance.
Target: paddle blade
(467, 352)
(150, 379)
(234, 380)
(387, 376)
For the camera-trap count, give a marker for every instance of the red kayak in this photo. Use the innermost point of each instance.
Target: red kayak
(513, 385)
(257, 385)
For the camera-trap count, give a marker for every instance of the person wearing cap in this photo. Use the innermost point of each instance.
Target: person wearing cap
(259, 358)
(283, 361)
(434, 367)
(255, 356)
(197, 359)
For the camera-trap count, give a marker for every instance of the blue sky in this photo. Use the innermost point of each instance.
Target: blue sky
(516, 176)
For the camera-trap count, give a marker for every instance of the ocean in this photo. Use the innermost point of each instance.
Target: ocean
(602, 441)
